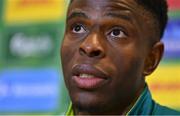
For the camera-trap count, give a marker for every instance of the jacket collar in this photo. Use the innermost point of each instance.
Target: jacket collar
(144, 104)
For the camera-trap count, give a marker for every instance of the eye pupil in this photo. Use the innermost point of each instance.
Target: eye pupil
(116, 32)
(77, 28)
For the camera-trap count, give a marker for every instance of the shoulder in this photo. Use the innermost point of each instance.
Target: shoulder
(163, 110)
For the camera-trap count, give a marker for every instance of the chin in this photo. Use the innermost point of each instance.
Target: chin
(84, 102)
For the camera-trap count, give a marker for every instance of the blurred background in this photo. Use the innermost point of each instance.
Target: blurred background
(31, 80)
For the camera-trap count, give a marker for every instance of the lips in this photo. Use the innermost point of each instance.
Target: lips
(88, 77)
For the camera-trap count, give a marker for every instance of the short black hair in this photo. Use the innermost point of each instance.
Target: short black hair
(159, 10)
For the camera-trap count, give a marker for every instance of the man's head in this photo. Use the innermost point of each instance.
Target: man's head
(109, 47)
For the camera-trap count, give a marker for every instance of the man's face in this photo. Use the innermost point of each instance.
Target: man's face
(103, 53)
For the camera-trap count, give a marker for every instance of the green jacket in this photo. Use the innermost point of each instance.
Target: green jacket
(145, 105)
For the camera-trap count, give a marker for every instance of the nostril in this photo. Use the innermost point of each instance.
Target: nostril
(91, 52)
(82, 51)
(95, 53)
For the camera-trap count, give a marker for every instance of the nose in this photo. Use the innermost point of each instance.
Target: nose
(92, 47)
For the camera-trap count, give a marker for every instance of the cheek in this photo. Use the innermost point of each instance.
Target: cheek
(128, 74)
(66, 55)
(129, 63)
(68, 50)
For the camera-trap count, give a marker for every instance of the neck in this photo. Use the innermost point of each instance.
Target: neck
(121, 109)
(114, 111)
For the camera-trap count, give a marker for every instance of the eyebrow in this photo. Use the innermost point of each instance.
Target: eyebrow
(77, 14)
(118, 15)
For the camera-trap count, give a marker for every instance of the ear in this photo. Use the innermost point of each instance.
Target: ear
(153, 58)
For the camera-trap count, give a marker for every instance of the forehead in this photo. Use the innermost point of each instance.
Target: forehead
(105, 4)
(96, 9)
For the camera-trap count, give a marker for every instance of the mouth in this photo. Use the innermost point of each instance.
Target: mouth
(88, 77)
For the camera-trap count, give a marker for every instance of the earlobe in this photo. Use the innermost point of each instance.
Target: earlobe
(153, 58)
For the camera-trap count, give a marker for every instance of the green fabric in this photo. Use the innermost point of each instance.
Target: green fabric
(70, 111)
(145, 105)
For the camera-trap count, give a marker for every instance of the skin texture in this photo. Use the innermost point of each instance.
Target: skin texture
(112, 39)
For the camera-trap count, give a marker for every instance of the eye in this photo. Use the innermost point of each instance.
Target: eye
(117, 33)
(78, 28)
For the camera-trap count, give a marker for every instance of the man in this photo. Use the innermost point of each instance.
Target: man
(109, 47)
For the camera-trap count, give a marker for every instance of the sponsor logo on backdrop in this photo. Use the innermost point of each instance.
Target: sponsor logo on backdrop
(24, 46)
(29, 90)
(30, 11)
(172, 39)
(174, 4)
